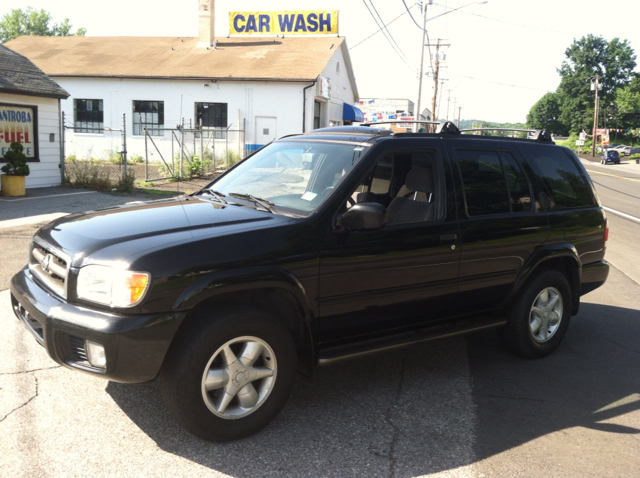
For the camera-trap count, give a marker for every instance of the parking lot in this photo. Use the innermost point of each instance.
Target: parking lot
(460, 407)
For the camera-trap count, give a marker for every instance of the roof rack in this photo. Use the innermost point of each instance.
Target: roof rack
(443, 126)
(534, 134)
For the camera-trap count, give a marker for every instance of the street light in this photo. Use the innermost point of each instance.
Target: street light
(424, 32)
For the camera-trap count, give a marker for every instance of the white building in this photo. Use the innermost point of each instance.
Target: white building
(266, 86)
(385, 109)
(30, 115)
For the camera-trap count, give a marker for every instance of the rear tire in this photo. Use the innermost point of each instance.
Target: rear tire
(231, 376)
(540, 317)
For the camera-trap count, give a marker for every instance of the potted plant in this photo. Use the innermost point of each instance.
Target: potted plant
(14, 171)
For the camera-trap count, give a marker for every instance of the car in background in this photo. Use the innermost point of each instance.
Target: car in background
(610, 156)
(628, 150)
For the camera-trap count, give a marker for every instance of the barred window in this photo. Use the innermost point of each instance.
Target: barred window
(149, 115)
(212, 115)
(89, 117)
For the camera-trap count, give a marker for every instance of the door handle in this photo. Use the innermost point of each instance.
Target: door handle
(448, 238)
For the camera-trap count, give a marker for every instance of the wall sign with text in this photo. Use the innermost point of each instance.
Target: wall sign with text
(18, 123)
(321, 22)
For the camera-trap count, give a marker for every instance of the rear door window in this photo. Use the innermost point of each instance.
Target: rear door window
(493, 182)
(565, 182)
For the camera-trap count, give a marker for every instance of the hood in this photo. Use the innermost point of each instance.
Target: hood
(168, 220)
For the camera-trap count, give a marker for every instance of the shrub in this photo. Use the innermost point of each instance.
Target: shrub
(135, 159)
(128, 183)
(16, 161)
(114, 157)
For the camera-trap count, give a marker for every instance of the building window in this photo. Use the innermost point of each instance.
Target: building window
(149, 115)
(89, 117)
(316, 114)
(211, 115)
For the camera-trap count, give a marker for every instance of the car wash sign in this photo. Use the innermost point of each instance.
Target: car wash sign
(17, 124)
(317, 22)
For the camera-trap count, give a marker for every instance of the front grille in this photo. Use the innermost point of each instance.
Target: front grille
(51, 267)
(28, 320)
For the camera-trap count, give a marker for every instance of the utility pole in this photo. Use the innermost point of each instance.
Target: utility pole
(448, 101)
(442, 80)
(459, 110)
(416, 126)
(435, 75)
(595, 85)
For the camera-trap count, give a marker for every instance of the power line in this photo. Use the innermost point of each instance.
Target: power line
(508, 22)
(388, 36)
(498, 83)
(385, 27)
(379, 30)
(421, 29)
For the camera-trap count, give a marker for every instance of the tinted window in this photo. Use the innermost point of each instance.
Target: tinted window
(485, 187)
(566, 184)
(519, 191)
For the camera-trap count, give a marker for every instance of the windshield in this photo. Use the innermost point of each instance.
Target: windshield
(293, 176)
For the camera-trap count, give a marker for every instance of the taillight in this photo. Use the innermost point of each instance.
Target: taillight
(606, 234)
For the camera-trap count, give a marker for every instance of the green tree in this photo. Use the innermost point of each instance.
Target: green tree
(627, 105)
(612, 61)
(33, 22)
(545, 114)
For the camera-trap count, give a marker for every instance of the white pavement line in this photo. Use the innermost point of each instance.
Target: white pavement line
(51, 196)
(23, 221)
(621, 214)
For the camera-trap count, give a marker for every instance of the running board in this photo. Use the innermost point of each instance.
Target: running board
(346, 352)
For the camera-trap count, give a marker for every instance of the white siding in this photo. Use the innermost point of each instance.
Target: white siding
(245, 101)
(47, 171)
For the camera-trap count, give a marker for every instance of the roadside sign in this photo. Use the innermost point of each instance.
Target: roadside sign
(579, 142)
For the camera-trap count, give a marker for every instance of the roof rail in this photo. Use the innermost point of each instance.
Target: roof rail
(534, 134)
(442, 126)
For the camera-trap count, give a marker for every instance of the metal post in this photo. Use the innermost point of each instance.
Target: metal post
(595, 119)
(181, 147)
(62, 145)
(416, 127)
(146, 157)
(124, 147)
(226, 145)
(201, 139)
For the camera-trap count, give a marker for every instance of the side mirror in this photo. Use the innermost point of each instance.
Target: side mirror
(364, 216)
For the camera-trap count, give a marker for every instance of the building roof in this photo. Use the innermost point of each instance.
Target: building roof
(19, 76)
(281, 59)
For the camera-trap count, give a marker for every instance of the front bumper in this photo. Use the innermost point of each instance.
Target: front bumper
(135, 345)
(593, 276)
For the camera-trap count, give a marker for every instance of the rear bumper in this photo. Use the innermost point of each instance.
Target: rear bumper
(135, 346)
(593, 276)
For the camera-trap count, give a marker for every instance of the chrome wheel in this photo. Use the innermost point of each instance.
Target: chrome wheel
(239, 377)
(545, 315)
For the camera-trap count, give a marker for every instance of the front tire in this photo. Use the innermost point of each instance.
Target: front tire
(229, 377)
(540, 317)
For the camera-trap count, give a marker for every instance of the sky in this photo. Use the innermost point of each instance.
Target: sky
(503, 54)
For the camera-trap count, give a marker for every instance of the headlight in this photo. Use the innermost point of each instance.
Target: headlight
(114, 287)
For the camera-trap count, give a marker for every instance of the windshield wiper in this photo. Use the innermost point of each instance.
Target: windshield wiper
(219, 196)
(265, 203)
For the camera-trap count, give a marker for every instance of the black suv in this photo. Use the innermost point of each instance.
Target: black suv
(318, 247)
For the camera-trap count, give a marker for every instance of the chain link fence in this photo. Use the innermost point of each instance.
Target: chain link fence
(106, 158)
(184, 153)
(95, 157)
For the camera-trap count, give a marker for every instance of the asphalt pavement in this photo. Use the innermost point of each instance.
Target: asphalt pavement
(458, 407)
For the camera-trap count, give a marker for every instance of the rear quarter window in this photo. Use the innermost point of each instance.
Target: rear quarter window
(563, 178)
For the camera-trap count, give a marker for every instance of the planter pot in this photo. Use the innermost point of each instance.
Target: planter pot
(12, 185)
